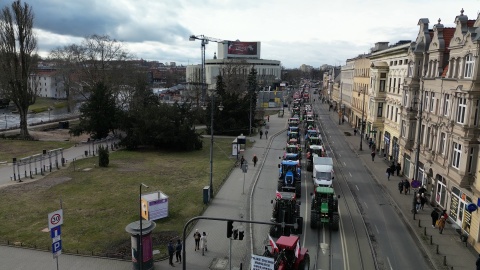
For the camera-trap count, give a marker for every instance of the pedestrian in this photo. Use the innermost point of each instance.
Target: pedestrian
(266, 134)
(478, 262)
(441, 224)
(355, 131)
(423, 200)
(255, 159)
(203, 243)
(178, 250)
(418, 202)
(392, 169)
(197, 236)
(171, 251)
(242, 160)
(373, 155)
(268, 118)
(388, 173)
(406, 185)
(398, 168)
(422, 189)
(444, 214)
(261, 134)
(434, 216)
(370, 142)
(400, 186)
(374, 147)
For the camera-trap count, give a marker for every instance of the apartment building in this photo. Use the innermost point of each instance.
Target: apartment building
(440, 118)
(361, 85)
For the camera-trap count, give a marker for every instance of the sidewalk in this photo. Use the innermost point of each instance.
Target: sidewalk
(452, 252)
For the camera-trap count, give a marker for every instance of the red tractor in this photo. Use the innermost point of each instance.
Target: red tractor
(288, 254)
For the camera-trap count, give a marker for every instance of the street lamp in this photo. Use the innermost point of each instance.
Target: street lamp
(363, 112)
(140, 254)
(49, 109)
(220, 107)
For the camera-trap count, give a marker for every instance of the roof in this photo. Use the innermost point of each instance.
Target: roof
(447, 36)
(287, 241)
(327, 190)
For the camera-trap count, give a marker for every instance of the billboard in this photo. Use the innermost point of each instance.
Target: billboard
(242, 48)
(239, 49)
(154, 206)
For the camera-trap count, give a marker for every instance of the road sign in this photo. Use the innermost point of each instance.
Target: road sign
(57, 246)
(245, 168)
(55, 219)
(55, 234)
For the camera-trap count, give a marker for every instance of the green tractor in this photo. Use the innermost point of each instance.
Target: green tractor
(324, 208)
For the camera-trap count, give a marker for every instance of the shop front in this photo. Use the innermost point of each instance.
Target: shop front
(386, 146)
(458, 213)
(440, 191)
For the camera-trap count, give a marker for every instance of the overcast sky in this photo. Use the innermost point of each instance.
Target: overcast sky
(312, 32)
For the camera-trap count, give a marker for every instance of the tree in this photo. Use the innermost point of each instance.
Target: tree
(98, 113)
(17, 46)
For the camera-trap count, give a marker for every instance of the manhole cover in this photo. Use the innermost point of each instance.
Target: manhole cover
(219, 264)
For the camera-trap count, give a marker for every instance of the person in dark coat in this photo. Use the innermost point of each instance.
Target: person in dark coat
(261, 134)
(373, 155)
(388, 171)
(255, 160)
(178, 250)
(392, 169)
(423, 200)
(400, 186)
(242, 160)
(478, 262)
(435, 215)
(406, 186)
(398, 168)
(171, 251)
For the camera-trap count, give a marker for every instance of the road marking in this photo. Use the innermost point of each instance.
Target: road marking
(376, 228)
(388, 259)
(357, 187)
(346, 263)
(350, 174)
(365, 204)
(344, 164)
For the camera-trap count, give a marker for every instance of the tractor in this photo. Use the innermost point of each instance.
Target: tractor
(286, 209)
(292, 152)
(324, 208)
(287, 254)
(290, 177)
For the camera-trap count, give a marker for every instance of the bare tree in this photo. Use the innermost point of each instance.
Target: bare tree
(235, 73)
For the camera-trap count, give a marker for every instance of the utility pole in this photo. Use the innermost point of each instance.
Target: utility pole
(340, 113)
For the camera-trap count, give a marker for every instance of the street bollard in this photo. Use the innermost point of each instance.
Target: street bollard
(419, 223)
(444, 260)
(425, 231)
(431, 240)
(437, 250)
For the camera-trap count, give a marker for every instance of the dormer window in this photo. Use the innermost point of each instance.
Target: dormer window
(468, 66)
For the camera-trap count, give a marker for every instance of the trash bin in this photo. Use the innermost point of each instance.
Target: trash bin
(206, 194)
(86, 153)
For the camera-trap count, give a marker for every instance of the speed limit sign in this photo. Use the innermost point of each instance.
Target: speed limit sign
(55, 219)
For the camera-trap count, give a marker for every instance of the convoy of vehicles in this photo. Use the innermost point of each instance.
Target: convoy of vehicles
(283, 251)
(286, 209)
(324, 208)
(322, 171)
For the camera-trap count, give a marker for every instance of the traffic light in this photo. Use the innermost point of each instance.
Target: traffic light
(240, 235)
(235, 234)
(229, 228)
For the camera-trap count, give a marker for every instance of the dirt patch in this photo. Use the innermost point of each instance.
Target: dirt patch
(44, 183)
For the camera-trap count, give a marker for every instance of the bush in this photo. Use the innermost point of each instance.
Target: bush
(103, 156)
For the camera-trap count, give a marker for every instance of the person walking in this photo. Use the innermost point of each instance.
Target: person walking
(435, 217)
(268, 118)
(478, 262)
(423, 200)
(373, 155)
(266, 134)
(203, 243)
(392, 169)
(441, 224)
(388, 173)
(197, 236)
(355, 131)
(171, 251)
(255, 160)
(398, 168)
(406, 185)
(400, 186)
(178, 250)
(418, 202)
(261, 134)
(242, 160)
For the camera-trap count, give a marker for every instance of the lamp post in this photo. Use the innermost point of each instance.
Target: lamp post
(212, 106)
(49, 109)
(361, 122)
(140, 249)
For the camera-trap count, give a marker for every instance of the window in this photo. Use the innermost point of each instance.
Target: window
(410, 70)
(470, 160)
(388, 107)
(398, 89)
(462, 107)
(394, 83)
(380, 109)
(396, 115)
(405, 100)
(443, 141)
(425, 102)
(475, 120)
(446, 104)
(457, 154)
(422, 134)
(391, 112)
(468, 66)
(432, 102)
(404, 129)
(427, 139)
(389, 84)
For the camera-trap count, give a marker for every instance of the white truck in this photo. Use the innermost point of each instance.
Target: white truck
(322, 171)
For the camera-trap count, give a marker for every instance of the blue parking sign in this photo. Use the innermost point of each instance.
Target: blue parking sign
(57, 246)
(55, 231)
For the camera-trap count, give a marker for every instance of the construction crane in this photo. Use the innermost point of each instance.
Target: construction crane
(204, 41)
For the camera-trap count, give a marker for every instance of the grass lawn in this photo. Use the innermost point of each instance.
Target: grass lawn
(42, 104)
(19, 148)
(99, 203)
